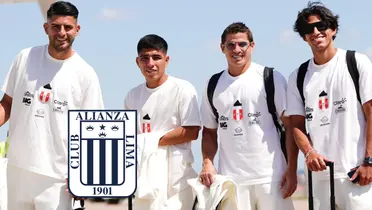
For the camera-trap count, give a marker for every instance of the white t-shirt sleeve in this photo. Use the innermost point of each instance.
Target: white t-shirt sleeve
(11, 77)
(294, 101)
(127, 101)
(280, 96)
(364, 65)
(93, 94)
(188, 109)
(207, 117)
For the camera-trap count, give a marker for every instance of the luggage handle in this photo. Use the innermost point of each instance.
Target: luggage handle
(332, 187)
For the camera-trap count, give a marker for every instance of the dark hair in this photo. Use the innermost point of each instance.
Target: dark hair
(152, 41)
(234, 28)
(315, 8)
(63, 8)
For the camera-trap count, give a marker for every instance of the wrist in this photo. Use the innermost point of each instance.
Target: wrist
(207, 161)
(312, 150)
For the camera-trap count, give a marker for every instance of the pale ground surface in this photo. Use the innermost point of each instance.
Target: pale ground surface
(300, 204)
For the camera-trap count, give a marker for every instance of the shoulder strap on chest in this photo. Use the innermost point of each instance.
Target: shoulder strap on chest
(210, 91)
(300, 79)
(353, 70)
(270, 100)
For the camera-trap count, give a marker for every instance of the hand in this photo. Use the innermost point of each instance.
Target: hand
(72, 196)
(207, 174)
(365, 174)
(316, 162)
(288, 184)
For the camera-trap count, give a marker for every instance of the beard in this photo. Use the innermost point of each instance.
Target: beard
(61, 46)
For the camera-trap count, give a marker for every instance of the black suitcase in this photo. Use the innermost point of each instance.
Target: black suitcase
(331, 183)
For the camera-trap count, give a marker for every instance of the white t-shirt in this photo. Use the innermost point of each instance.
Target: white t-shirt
(167, 107)
(43, 89)
(250, 148)
(335, 118)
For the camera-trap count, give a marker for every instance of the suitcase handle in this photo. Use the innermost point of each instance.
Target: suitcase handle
(332, 187)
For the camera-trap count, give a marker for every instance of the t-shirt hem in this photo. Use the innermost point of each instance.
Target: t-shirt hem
(39, 171)
(246, 181)
(289, 113)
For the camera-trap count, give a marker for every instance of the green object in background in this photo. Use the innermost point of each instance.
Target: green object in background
(4, 148)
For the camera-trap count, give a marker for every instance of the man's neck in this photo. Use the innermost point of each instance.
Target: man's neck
(60, 55)
(157, 83)
(322, 57)
(235, 71)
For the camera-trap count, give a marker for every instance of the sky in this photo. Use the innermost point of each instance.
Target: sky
(110, 30)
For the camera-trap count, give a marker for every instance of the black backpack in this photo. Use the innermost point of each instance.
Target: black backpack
(351, 65)
(270, 90)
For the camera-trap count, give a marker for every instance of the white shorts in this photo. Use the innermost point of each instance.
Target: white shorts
(263, 197)
(181, 201)
(348, 196)
(32, 191)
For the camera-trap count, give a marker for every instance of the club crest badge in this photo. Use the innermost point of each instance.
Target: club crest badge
(102, 153)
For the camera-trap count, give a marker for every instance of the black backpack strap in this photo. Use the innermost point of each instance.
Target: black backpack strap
(270, 98)
(353, 70)
(210, 91)
(300, 79)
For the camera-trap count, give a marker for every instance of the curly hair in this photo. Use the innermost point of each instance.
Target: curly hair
(315, 8)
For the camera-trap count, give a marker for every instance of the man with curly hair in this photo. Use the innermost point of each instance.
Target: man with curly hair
(336, 109)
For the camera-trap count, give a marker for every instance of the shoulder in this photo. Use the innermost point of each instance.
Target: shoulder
(362, 59)
(134, 91)
(82, 65)
(181, 84)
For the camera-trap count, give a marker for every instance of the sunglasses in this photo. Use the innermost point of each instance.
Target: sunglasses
(231, 45)
(320, 26)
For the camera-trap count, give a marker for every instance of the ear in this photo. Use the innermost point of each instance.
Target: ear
(45, 26)
(77, 29)
(252, 44)
(222, 48)
(137, 61)
(167, 60)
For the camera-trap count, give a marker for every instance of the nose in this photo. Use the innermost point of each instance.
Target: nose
(150, 63)
(62, 31)
(236, 48)
(316, 31)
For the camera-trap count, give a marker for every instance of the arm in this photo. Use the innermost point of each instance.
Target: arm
(180, 135)
(291, 146)
(364, 65)
(189, 116)
(367, 108)
(299, 133)
(5, 108)
(296, 111)
(280, 98)
(365, 88)
(209, 145)
(209, 141)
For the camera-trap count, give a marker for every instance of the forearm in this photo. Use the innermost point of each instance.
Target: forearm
(292, 150)
(180, 135)
(299, 135)
(369, 137)
(209, 145)
(291, 146)
(4, 112)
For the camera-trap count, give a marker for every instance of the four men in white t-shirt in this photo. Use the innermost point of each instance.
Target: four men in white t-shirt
(250, 151)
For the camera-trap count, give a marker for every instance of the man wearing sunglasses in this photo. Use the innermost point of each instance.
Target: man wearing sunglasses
(250, 150)
(338, 125)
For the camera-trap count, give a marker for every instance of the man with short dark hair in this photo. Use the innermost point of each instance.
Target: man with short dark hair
(336, 109)
(43, 83)
(168, 105)
(250, 144)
